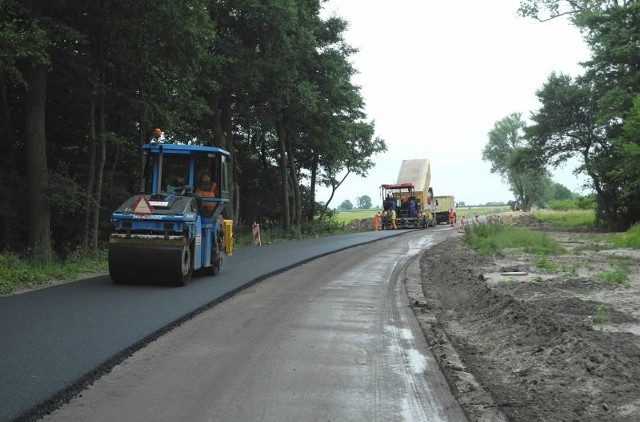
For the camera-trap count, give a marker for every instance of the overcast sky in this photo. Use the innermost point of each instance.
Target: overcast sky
(437, 75)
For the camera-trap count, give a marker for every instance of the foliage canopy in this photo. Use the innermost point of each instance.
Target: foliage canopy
(268, 81)
(594, 117)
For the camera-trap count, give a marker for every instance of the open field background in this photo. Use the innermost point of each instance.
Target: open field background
(348, 216)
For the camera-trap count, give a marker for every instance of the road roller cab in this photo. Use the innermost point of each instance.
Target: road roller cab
(175, 227)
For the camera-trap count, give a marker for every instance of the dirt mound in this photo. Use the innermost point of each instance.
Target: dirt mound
(526, 219)
(360, 224)
(546, 347)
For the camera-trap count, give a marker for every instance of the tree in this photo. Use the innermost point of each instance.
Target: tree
(545, 10)
(588, 116)
(519, 164)
(627, 172)
(363, 202)
(268, 81)
(561, 192)
(35, 135)
(567, 126)
(346, 205)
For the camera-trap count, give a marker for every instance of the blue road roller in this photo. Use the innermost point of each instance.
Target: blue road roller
(176, 226)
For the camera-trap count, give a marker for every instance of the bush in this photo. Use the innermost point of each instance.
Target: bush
(628, 239)
(586, 202)
(569, 218)
(562, 204)
(578, 203)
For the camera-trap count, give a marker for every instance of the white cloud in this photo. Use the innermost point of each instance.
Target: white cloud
(436, 76)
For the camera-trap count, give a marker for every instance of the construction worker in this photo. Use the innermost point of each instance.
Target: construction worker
(207, 188)
(386, 205)
(376, 221)
(393, 219)
(452, 217)
(412, 207)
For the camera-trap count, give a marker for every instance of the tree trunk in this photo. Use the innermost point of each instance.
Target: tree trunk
(222, 127)
(101, 158)
(295, 186)
(286, 222)
(142, 138)
(91, 160)
(312, 187)
(226, 143)
(334, 188)
(7, 169)
(605, 207)
(36, 155)
(236, 197)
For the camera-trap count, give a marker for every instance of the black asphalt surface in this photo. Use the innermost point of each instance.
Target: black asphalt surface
(56, 340)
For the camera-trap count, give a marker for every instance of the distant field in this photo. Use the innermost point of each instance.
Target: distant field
(567, 218)
(471, 211)
(347, 216)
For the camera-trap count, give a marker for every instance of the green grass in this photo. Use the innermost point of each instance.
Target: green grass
(16, 272)
(618, 275)
(629, 239)
(492, 239)
(471, 211)
(544, 263)
(569, 218)
(599, 317)
(348, 216)
(571, 270)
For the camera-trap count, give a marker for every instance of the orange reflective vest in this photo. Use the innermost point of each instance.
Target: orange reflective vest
(207, 189)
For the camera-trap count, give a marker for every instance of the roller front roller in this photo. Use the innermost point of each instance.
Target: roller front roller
(136, 261)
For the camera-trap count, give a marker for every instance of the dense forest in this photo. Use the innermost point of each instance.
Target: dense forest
(594, 117)
(84, 83)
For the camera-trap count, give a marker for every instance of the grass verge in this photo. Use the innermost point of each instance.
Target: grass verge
(568, 218)
(490, 239)
(17, 273)
(628, 239)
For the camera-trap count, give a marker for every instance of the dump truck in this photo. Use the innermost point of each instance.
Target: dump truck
(412, 185)
(443, 204)
(175, 227)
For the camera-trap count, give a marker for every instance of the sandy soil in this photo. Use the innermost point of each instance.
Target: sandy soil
(536, 344)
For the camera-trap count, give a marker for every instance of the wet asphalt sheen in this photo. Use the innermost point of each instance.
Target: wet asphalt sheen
(54, 340)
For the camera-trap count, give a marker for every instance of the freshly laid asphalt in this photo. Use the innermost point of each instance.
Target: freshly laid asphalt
(54, 341)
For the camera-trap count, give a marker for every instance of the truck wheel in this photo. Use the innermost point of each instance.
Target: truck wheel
(216, 261)
(217, 265)
(186, 266)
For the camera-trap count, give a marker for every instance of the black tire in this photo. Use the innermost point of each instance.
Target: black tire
(186, 266)
(216, 260)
